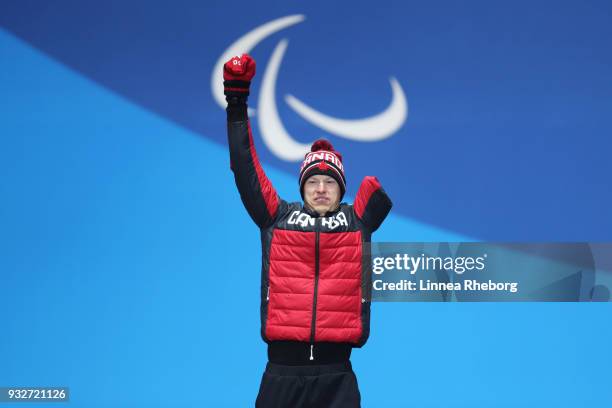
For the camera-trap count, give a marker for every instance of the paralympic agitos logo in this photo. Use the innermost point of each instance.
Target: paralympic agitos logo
(274, 134)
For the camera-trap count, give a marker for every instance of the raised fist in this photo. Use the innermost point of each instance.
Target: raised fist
(239, 68)
(237, 75)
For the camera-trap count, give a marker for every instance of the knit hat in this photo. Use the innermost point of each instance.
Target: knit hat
(323, 159)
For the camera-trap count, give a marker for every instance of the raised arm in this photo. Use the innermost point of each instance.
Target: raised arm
(372, 204)
(256, 191)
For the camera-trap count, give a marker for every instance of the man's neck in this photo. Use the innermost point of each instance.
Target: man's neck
(323, 213)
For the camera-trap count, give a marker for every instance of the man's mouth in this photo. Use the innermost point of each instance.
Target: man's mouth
(321, 200)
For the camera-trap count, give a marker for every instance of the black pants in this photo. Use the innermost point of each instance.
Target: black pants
(316, 386)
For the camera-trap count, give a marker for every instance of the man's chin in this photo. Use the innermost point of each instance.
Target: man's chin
(322, 209)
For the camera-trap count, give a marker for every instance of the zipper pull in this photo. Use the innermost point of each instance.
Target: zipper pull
(311, 352)
(268, 294)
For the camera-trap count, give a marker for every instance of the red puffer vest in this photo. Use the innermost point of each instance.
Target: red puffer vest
(316, 281)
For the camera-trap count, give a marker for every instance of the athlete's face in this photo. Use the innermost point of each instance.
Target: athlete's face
(321, 193)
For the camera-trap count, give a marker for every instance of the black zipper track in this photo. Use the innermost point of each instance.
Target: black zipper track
(316, 284)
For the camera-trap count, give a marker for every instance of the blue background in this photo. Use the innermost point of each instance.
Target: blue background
(129, 270)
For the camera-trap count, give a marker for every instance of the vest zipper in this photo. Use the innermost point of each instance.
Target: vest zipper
(316, 288)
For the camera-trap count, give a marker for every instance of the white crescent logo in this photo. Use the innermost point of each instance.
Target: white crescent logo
(274, 134)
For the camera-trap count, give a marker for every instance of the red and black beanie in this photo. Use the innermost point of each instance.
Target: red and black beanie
(323, 159)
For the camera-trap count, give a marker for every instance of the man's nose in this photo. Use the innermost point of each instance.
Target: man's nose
(321, 186)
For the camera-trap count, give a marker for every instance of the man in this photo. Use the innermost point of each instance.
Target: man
(316, 282)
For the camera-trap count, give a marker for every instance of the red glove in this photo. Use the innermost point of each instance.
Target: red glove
(237, 75)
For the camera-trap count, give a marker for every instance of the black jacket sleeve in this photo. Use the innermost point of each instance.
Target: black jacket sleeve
(372, 204)
(256, 191)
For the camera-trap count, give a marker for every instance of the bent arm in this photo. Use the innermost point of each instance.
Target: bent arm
(256, 191)
(372, 204)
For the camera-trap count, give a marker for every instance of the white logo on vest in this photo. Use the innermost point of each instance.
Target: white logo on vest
(304, 220)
